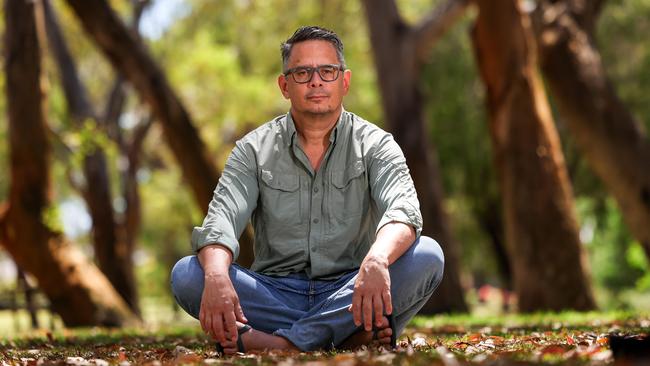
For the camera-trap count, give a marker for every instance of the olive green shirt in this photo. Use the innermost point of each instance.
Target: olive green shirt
(321, 222)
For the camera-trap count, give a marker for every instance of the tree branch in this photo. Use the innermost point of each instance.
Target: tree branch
(76, 95)
(134, 62)
(435, 25)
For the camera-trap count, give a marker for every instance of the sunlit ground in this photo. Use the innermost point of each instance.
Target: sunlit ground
(156, 313)
(160, 313)
(488, 336)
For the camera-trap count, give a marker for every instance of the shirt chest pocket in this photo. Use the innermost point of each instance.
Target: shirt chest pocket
(280, 198)
(348, 193)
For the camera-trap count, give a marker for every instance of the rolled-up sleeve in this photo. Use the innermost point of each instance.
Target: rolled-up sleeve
(392, 187)
(232, 204)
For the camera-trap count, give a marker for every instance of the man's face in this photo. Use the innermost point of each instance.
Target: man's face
(316, 96)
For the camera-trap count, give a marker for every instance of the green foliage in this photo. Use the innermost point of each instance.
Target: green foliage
(166, 229)
(637, 259)
(622, 37)
(617, 260)
(85, 141)
(51, 218)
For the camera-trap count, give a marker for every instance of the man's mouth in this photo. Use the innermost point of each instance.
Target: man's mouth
(317, 96)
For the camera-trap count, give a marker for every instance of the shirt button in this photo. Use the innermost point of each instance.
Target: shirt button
(315, 221)
(316, 190)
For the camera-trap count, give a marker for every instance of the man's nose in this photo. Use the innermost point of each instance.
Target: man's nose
(316, 79)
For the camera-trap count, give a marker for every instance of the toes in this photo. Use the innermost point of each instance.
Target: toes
(384, 340)
(229, 344)
(384, 322)
(386, 332)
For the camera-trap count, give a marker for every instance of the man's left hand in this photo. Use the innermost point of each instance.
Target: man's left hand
(371, 292)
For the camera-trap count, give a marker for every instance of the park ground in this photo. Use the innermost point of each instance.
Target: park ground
(535, 339)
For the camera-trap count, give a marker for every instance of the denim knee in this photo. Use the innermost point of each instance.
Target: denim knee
(178, 279)
(429, 255)
(187, 284)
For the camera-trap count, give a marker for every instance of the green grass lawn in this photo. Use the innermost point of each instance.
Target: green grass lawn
(545, 338)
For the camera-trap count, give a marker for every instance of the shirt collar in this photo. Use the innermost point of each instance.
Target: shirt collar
(291, 128)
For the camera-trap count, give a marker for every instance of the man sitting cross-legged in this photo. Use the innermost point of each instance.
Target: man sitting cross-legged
(339, 259)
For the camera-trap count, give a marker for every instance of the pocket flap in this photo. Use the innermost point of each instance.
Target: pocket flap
(281, 181)
(341, 178)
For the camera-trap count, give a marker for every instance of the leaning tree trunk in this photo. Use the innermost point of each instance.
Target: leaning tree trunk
(541, 227)
(131, 59)
(397, 48)
(77, 290)
(112, 253)
(611, 139)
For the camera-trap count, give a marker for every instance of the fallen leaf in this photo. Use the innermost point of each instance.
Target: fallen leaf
(553, 349)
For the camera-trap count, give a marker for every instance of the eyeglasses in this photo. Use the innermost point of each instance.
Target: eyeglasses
(303, 74)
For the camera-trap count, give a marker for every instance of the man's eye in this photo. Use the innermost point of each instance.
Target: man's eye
(301, 73)
(327, 71)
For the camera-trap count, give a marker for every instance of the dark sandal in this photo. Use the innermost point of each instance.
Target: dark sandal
(393, 334)
(240, 344)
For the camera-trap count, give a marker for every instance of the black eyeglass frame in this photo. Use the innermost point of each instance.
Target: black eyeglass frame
(311, 70)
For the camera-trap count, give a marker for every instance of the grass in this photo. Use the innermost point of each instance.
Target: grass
(542, 320)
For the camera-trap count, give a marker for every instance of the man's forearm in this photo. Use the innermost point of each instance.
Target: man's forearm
(393, 239)
(215, 259)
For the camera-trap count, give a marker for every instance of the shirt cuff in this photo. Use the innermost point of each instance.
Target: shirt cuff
(204, 236)
(405, 214)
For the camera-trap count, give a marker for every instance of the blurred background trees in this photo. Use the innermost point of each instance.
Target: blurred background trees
(170, 67)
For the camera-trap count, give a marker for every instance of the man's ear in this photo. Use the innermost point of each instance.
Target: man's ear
(347, 75)
(284, 85)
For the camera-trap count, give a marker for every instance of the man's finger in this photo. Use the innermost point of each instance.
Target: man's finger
(202, 320)
(207, 325)
(388, 302)
(231, 325)
(377, 304)
(356, 309)
(367, 313)
(217, 327)
(239, 313)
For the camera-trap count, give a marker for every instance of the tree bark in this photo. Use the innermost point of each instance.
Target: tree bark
(77, 290)
(613, 142)
(112, 252)
(541, 228)
(397, 49)
(133, 61)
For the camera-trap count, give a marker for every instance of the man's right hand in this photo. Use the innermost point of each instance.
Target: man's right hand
(220, 308)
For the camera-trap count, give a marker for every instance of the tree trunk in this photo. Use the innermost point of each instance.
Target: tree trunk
(28, 290)
(541, 228)
(395, 47)
(133, 61)
(112, 253)
(77, 290)
(492, 225)
(613, 142)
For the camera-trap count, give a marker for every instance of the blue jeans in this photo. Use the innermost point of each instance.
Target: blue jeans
(313, 314)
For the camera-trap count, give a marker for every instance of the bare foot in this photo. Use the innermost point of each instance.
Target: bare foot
(362, 337)
(255, 340)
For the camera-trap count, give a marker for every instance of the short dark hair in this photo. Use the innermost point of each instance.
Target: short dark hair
(307, 33)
